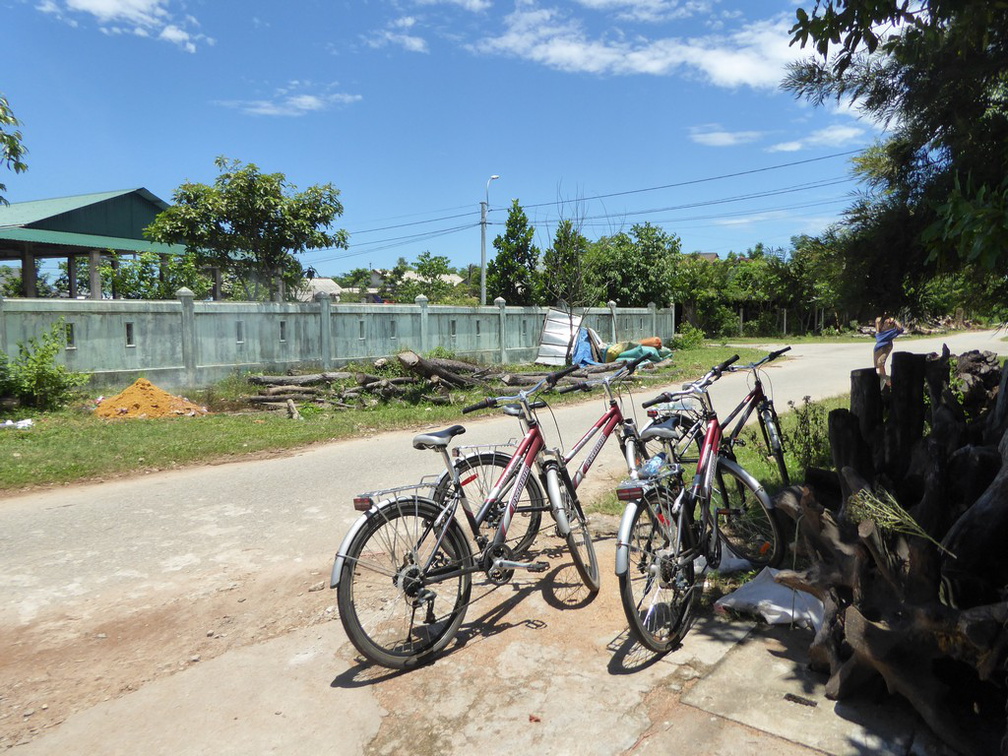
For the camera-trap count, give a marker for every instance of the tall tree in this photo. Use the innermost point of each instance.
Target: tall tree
(514, 272)
(252, 224)
(12, 149)
(633, 269)
(936, 72)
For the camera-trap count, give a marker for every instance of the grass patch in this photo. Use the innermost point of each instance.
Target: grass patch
(73, 445)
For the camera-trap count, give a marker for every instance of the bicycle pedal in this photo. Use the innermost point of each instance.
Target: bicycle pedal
(538, 566)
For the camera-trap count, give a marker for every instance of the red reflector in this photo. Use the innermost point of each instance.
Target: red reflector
(629, 493)
(362, 503)
(467, 481)
(652, 413)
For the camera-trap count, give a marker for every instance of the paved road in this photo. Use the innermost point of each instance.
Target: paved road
(70, 544)
(149, 536)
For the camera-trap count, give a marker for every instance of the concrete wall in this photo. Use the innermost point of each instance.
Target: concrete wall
(184, 344)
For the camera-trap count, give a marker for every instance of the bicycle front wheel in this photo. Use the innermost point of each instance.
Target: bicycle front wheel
(406, 583)
(748, 527)
(478, 473)
(659, 589)
(774, 440)
(579, 542)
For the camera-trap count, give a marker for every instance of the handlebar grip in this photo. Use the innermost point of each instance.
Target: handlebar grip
(485, 404)
(633, 365)
(657, 400)
(579, 386)
(778, 353)
(553, 378)
(725, 365)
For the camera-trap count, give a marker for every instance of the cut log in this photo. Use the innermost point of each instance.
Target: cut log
(428, 369)
(298, 380)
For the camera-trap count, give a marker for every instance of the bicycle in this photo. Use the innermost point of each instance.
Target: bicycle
(689, 420)
(479, 470)
(667, 526)
(403, 572)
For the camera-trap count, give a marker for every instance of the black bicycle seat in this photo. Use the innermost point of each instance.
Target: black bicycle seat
(666, 429)
(437, 439)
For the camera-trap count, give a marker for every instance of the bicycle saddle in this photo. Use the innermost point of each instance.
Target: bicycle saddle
(665, 429)
(437, 439)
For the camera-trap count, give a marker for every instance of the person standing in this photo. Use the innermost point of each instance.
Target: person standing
(886, 330)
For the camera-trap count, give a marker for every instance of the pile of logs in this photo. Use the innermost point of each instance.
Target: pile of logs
(426, 379)
(923, 613)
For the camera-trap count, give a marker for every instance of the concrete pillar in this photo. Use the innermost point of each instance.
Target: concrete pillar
(502, 327)
(94, 275)
(325, 328)
(29, 277)
(188, 333)
(612, 314)
(421, 302)
(72, 276)
(654, 317)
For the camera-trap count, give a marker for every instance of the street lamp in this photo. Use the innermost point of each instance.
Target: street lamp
(484, 206)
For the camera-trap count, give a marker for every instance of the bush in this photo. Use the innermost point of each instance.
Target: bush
(688, 337)
(34, 378)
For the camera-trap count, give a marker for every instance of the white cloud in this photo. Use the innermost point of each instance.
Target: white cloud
(649, 10)
(712, 135)
(397, 36)
(141, 18)
(292, 101)
(754, 56)
(837, 135)
(476, 6)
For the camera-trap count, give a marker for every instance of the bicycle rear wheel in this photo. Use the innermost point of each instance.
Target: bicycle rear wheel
(478, 473)
(659, 590)
(404, 589)
(748, 527)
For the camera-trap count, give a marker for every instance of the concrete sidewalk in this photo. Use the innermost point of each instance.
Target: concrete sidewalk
(535, 671)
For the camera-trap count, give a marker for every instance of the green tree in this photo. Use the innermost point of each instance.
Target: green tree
(359, 279)
(936, 72)
(431, 279)
(566, 274)
(633, 269)
(12, 149)
(514, 272)
(252, 224)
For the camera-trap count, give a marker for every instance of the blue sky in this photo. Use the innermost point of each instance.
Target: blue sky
(608, 112)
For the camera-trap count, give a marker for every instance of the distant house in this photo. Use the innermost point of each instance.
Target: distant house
(84, 226)
(320, 286)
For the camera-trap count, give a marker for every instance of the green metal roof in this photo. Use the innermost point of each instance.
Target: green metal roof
(88, 241)
(104, 220)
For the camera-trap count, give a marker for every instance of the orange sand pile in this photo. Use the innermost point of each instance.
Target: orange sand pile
(145, 400)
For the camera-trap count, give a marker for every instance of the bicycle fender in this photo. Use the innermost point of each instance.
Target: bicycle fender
(340, 559)
(757, 487)
(623, 538)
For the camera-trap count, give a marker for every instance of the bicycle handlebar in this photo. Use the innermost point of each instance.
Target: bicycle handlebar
(718, 369)
(485, 404)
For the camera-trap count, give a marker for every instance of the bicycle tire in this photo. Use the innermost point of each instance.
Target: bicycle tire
(774, 440)
(747, 525)
(478, 473)
(579, 541)
(658, 592)
(379, 594)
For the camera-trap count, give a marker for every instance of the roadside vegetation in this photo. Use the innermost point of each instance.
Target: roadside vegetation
(72, 444)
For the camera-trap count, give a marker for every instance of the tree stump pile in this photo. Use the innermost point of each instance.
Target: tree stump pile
(907, 544)
(426, 379)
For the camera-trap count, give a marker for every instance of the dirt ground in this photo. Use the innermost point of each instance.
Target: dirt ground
(63, 663)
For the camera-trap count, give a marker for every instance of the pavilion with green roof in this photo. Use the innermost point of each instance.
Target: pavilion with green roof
(87, 225)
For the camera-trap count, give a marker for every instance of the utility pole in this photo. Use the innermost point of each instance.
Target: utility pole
(484, 207)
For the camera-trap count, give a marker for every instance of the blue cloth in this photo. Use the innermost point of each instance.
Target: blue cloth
(582, 354)
(885, 338)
